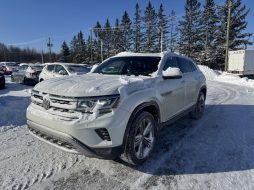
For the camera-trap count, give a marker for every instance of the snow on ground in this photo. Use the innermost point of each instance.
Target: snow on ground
(225, 77)
(215, 152)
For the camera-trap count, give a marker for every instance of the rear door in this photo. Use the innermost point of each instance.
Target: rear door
(49, 72)
(191, 80)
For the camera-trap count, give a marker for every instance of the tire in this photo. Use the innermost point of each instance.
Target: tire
(141, 138)
(24, 81)
(197, 113)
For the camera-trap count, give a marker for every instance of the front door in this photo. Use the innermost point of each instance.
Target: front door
(172, 92)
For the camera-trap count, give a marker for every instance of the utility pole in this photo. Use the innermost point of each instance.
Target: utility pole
(101, 50)
(91, 43)
(227, 35)
(161, 39)
(49, 45)
(42, 58)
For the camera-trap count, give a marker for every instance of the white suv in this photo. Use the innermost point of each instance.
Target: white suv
(52, 70)
(119, 108)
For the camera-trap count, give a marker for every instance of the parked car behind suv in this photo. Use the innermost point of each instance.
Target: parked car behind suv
(62, 69)
(119, 108)
(9, 67)
(27, 74)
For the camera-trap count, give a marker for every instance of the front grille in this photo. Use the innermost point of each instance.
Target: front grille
(103, 134)
(52, 139)
(59, 105)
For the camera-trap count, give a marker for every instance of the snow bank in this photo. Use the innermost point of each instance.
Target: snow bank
(235, 79)
(210, 74)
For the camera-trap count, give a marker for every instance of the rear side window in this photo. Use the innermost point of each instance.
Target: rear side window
(192, 65)
(59, 68)
(50, 68)
(170, 62)
(185, 65)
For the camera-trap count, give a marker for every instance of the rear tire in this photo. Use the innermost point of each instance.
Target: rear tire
(140, 141)
(199, 107)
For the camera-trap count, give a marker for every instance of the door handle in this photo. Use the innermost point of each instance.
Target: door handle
(166, 93)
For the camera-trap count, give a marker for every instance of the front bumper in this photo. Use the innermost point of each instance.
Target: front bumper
(80, 134)
(71, 144)
(32, 81)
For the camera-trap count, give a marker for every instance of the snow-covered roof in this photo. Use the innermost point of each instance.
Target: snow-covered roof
(121, 54)
(66, 64)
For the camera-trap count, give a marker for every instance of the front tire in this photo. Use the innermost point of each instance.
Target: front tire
(141, 138)
(197, 113)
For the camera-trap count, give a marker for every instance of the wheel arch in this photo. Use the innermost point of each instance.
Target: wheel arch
(151, 107)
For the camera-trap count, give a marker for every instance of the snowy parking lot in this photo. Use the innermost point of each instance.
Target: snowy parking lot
(215, 152)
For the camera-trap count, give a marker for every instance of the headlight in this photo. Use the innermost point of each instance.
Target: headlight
(100, 103)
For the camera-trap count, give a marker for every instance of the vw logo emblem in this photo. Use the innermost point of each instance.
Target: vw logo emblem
(46, 103)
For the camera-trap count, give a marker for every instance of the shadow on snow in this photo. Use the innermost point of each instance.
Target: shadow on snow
(222, 141)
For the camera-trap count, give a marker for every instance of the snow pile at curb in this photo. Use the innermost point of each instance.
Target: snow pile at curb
(209, 73)
(235, 79)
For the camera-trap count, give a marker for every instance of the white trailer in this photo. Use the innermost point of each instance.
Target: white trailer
(241, 62)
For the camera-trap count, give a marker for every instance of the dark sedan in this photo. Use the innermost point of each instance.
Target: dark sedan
(2, 80)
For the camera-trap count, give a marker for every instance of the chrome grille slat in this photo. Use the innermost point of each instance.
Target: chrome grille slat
(59, 106)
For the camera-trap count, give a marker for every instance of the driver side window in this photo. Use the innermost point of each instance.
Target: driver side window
(170, 62)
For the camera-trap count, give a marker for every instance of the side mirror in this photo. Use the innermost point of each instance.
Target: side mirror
(172, 73)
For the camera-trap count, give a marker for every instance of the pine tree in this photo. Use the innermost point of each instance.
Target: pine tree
(79, 47)
(150, 29)
(137, 35)
(126, 32)
(190, 30)
(116, 39)
(209, 33)
(108, 38)
(162, 29)
(65, 53)
(172, 32)
(73, 48)
(238, 38)
(99, 35)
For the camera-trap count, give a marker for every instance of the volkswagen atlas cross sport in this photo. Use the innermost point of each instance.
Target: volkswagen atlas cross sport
(117, 109)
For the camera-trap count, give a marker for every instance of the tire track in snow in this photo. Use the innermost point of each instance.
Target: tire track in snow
(230, 95)
(26, 161)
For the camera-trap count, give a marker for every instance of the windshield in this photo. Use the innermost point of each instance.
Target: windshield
(12, 64)
(78, 69)
(135, 65)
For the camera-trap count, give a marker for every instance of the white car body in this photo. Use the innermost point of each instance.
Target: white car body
(46, 74)
(168, 98)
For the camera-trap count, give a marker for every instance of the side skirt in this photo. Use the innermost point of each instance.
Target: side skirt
(177, 117)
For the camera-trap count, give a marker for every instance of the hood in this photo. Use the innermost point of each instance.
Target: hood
(91, 84)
